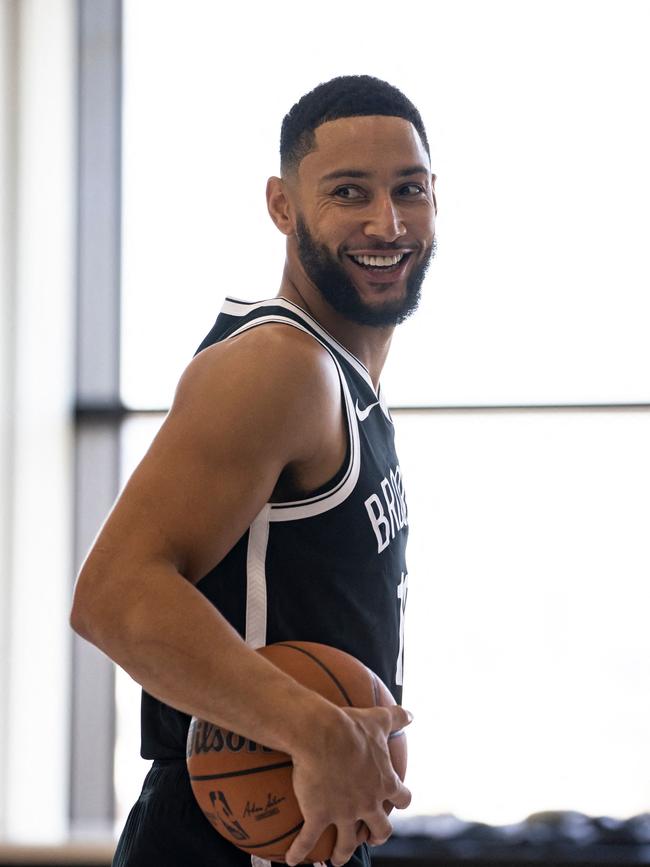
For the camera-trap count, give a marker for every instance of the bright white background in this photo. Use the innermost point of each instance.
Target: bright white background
(527, 657)
(527, 651)
(37, 137)
(534, 111)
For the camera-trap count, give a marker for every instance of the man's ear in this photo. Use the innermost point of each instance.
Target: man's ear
(279, 205)
(433, 191)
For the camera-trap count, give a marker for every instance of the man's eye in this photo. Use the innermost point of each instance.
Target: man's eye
(411, 189)
(348, 192)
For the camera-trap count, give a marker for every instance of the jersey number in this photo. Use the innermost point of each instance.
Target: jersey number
(401, 601)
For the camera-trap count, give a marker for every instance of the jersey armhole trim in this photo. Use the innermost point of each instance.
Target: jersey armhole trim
(234, 307)
(316, 505)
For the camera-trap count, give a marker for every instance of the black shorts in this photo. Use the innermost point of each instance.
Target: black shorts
(166, 828)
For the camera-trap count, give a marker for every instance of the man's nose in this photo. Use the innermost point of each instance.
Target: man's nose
(384, 220)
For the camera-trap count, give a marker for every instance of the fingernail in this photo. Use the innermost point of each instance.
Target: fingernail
(409, 715)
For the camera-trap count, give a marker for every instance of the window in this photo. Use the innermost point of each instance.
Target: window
(526, 649)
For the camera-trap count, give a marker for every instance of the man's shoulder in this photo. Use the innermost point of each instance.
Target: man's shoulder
(267, 348)
(272, 361)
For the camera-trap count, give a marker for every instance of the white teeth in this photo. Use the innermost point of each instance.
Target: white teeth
(379, 261)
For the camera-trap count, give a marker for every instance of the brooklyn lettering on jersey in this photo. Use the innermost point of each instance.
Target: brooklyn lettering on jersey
(387, 509)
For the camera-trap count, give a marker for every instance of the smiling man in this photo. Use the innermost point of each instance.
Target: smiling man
(271, 505)
(354, 180)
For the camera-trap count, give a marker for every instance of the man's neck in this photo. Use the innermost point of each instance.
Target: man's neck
(368, 343)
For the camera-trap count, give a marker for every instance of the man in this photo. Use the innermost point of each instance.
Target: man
(270, 505)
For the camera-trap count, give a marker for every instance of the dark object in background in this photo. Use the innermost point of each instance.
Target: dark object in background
(554, 838)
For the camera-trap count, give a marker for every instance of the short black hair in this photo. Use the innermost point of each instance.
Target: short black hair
(345, 96)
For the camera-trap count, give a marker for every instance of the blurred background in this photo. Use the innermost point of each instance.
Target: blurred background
(136, 138)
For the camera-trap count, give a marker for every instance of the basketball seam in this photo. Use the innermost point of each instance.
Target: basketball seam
(243, 772)
(275, 839)
(323, 666)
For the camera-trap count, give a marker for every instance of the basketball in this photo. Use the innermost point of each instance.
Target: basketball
(244, 789)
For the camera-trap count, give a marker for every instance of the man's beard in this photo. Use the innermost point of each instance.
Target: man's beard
(337, 288)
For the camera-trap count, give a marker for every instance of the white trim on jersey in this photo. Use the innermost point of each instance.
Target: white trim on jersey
(295, 509)
(235, 307)
(258, 539)
(383, 404)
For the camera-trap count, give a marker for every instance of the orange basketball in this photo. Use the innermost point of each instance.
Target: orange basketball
(245, 789)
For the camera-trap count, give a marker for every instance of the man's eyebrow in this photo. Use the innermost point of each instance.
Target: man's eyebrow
(346, 173)
(356, 173)
(413, 170)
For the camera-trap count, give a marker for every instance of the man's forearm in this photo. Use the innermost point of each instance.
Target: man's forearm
(197, 662)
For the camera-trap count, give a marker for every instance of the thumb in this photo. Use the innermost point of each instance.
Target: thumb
(400, 718)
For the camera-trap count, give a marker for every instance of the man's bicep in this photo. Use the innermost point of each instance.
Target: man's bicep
(209, 471)
(190, 504)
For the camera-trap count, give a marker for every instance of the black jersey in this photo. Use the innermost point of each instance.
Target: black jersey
(327, 567)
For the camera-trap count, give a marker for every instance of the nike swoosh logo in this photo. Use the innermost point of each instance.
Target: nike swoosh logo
(362, 414)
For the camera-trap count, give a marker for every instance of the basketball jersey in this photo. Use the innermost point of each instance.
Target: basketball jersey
(327, 567)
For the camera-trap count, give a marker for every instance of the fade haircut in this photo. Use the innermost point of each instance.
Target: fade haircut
(345, 96)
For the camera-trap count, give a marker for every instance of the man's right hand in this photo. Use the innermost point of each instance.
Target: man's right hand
(342, 776)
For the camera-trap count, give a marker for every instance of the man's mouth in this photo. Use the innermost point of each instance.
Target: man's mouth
(378, 264)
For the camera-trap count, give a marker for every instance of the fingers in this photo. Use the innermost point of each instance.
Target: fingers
(374, 831)
(346, 843)
(303, 844)
(380, 829)
(338, 802)
(363, 832)
(400, 718)
(401, 798)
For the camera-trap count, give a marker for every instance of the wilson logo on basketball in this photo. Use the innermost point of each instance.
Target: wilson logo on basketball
(207, 738)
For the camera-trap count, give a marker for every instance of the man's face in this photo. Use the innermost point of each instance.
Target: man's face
(366, 190)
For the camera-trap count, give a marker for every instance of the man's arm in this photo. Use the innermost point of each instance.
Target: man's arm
(244, 411)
